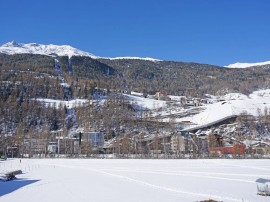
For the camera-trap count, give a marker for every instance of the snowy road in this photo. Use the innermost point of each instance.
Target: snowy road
(134, 180)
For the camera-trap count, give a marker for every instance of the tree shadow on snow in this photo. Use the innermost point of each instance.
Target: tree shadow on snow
(10, 186)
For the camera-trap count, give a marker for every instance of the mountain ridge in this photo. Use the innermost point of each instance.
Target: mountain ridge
(14, 47)
(246, 65)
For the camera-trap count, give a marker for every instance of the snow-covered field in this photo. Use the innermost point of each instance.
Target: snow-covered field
(97, 180)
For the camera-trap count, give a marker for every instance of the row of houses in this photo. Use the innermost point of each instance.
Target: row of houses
(174, 144)
(185, 101)
(205, 143)
(57, 143)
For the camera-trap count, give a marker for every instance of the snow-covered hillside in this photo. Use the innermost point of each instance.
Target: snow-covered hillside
(13, 47)
(245, 65)
(233, 104)
(101, 180)
(219, 108)
(145, 103)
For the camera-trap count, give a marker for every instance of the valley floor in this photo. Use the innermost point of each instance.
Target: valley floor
(100, 180)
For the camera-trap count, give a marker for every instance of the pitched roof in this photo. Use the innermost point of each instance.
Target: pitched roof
(261, 180)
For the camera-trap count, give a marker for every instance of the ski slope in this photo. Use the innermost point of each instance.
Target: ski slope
(114, 180)
(232, 104)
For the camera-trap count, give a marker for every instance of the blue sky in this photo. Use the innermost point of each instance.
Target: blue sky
(216, 32)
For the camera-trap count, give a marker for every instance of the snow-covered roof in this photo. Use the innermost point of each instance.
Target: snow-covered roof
(262, 180)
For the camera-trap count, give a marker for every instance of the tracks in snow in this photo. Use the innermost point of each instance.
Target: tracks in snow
(170, 189)
(110, 172)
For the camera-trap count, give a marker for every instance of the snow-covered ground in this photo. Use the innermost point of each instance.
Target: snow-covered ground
(113, 180)
(245, 65)
(145, 103)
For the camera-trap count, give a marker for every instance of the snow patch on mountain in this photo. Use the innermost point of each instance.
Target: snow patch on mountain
(61, 103)
(13, 47)
(134, 58)
(245, 65)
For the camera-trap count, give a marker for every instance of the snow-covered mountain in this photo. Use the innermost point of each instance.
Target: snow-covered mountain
(245, 65)
(13, 47)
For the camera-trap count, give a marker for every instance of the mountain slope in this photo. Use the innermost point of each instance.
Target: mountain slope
(29, 81)
(138, 74)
